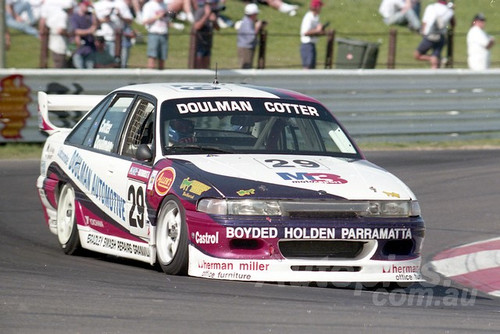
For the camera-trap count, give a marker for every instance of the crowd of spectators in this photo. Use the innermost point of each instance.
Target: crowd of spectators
(94, 34)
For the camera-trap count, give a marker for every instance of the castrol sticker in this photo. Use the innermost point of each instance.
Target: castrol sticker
(164, 181)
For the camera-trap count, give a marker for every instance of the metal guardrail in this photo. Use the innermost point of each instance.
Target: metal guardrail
(374, 105)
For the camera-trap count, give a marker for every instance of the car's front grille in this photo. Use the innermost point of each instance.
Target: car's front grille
(321, 215)
(321, 249)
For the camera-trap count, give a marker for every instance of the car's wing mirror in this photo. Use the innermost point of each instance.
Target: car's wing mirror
(144, 153)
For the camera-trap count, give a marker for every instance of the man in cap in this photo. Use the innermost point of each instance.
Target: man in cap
(247, 35)
(310, 29)
(479, 44)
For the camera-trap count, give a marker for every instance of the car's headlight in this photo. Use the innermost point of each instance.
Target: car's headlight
(246, 207)
(249, 207)
(393, 209)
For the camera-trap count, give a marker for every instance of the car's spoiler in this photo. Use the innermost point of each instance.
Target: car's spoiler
(62, 103)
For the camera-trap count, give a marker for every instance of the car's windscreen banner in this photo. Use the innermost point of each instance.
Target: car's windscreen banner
(257, 106)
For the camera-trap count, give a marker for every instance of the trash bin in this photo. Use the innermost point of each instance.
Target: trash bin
(356, 54)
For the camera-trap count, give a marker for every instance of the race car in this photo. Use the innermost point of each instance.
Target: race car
(224, 181)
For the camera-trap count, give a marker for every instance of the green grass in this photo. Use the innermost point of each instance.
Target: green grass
(358, 19)
(20, 151)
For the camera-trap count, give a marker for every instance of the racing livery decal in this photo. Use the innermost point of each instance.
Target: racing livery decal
(164, 181)
(193, 187)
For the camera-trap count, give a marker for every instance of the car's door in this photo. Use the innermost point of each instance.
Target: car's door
(119, 181)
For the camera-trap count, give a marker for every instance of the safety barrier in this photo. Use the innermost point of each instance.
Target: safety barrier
(374, 105)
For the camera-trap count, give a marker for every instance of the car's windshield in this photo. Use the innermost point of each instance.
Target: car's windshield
(249, 125)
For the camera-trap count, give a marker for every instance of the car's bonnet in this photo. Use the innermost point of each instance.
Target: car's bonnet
(349, 179)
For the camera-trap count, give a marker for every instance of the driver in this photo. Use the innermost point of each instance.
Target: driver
(181, 131)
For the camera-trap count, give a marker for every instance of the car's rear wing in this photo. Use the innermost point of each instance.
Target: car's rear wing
(62, 104)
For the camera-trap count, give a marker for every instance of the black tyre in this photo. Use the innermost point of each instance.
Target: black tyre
(67, 231)
(171, 238)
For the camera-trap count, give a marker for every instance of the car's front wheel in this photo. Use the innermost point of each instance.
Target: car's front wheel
(171, 238)
(67, 231)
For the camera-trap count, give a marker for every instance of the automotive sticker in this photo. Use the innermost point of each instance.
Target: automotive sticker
(191, 187)
(392, 194)
(93, 222)
(213, 106)
(375, 233)
(164, 181)
(403, 272)
(63, 156)
(295, 163)
(250, 232)
(96, 186)
(290, 108)
(139, 173)
(400, 269)
(152, 179)
(301, 177)
(205, 238)
(245, 192)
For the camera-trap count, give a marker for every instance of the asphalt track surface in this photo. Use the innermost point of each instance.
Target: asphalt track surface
(44, 291)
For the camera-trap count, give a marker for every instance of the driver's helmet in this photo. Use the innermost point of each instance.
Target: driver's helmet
(181, 131)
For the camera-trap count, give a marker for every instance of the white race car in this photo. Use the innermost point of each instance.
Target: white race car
(225, 181)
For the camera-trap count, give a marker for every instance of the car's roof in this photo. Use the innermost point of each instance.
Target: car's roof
(168, 91)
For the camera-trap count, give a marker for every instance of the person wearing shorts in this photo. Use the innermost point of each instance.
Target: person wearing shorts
(310, 29)
(205, 21)
(155, 19)
(437, 17)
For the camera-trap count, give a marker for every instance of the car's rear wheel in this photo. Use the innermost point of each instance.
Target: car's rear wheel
(171, 238)
(67, 231)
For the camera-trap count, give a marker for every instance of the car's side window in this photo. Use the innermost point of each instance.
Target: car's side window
(108, 134)
(84, 129)
(140, 128)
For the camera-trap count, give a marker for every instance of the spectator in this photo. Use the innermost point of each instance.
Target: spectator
(128, 35)
(416, 5)
(83, 26)
(247, 35)
(102, 58)
(155, 18)
(55, 16)
(479, 44)
(14, 11)
(435, 22)
(399, 12)
(281, 6)
(7, 39)
(113, 16)
(310, 29)
(205, 21)
(183, 9)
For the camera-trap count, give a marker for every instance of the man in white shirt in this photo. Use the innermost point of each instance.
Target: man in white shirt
(437, 17)
(310, 29)
(155, 19)
(113, 16)
(399, 12)
(55, 15)
(479, 44)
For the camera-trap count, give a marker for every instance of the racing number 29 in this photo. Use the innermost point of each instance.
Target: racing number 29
(136, 197)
